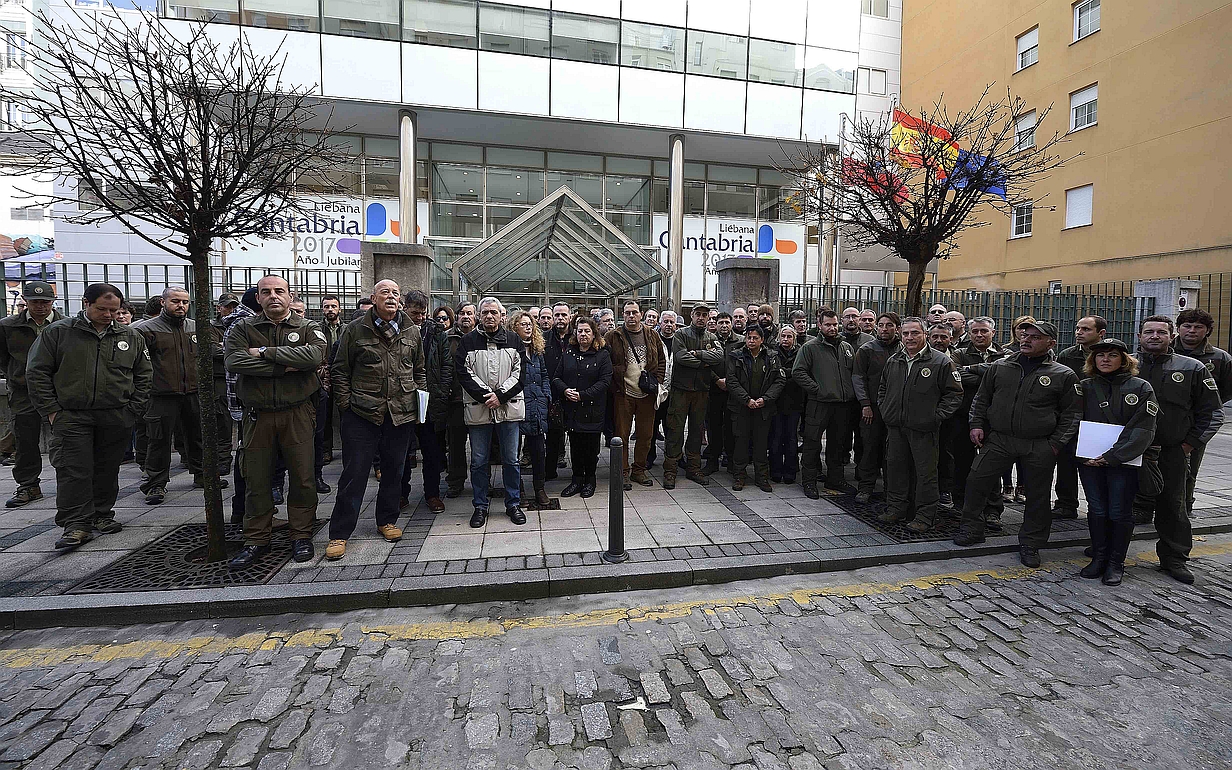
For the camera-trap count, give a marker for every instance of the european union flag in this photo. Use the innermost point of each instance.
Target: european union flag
(969, 166)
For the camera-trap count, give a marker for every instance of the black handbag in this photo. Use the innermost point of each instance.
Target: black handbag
(646, 382)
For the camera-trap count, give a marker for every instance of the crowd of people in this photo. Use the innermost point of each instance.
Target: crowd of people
(933, 408)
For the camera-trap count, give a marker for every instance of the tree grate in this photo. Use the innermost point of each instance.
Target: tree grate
(176, 561)
(944, 528)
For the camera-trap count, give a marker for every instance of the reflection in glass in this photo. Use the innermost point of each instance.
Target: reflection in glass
(658, 196)
(731, 200)
(457, 221)
(636, 227)
(500, 216)
(589, 187)
(776, 204)
(585, 38)
(714, 53)
(295, 15)
(774, 62)
(651, 46)
(827, 70)
(380, 178)
(628, 194)
(341, 179)
(456, 183)
(514, 185)
(514, 30)
(440, 22)
(695, 197)
(216, 11)
(362, 18)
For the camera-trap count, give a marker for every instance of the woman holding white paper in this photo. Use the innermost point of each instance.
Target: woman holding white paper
(1112, 395)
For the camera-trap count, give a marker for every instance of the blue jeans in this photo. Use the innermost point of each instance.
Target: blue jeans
(784, 451)
(362, 441)
(1110, 491)
(507, 433)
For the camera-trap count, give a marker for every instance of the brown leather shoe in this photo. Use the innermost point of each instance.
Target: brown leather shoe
(335, 549)
(390, 532)
(436, 505)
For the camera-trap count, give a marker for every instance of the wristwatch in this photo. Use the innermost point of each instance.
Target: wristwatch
(261, 352)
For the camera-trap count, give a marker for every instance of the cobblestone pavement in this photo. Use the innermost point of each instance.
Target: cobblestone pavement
(988, 665)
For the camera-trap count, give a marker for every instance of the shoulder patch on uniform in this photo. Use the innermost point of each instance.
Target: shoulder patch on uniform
(1152, 408)
(147, 355)
(1209, 382)
(1178, 376)
(194, 339)
(293, 337)
(320, 334)
(1045, 380)
(957, 376)
(1131, 399)
(926, 372)
(122, 344)
(1078, 388)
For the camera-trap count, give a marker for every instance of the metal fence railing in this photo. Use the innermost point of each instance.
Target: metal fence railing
(1122, 312)
(1214, 296)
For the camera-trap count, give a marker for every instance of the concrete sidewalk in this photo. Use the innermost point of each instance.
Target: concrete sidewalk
(690, 535)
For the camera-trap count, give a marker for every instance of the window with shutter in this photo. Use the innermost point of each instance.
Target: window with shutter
(1078, 206)
(1028, 48)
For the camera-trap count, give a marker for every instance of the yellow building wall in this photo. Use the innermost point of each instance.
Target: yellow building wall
(1160, 157)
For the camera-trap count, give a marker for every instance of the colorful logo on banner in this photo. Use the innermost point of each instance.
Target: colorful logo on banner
(377, 222)
(767, 244)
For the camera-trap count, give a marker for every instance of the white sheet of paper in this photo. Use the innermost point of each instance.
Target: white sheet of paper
(1095, 438)
(423, 405)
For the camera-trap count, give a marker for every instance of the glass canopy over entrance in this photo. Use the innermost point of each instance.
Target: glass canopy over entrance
(562, 249)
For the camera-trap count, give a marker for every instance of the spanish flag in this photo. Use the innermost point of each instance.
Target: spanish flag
(913, 138)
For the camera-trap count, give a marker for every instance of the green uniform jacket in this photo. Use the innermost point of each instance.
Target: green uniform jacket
(1044, 405)
(1122, 399)
(866, 368)
(694, 354)
(971, 365)
(17, 335)
(857, 340)
(740, 384)
(72, 366)
(1075, 357)
(373, 376)
(823, 370)
(922, 399)
(1217, 362)
(286, 375)
(173, 354)
(732, 343)
(1188, 398)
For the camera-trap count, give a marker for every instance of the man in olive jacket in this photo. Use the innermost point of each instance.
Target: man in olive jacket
(823, 371)
(276, 354)
(866, 368)
(17, 336)
(1027, 409)
(1193, 339)
(90, 377)
(695, 352)
(376, 377)
(917, 391)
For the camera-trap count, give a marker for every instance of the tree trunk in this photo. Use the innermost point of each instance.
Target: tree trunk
(915, 285)
(199, 255)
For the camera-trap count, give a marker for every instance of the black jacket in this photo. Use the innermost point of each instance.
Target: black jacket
(589, 372)
(866, 367)
(792, 398)
(1217, 362)
(1188, 399)
(1126, 400)
(1044, 405)
(439, 367)
(740, 383)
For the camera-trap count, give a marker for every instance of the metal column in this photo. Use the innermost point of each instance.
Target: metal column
(408, 132)
(675, 229)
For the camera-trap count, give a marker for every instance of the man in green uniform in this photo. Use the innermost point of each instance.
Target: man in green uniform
(695, 352)
(869, 361)
(1087, 332)
(276, 354)
(90, 377)
(1028, 407)
(227, 303)
(1193, 339)
(1190, 415)
(171, 339)
(972, 358)
(823, 372)
(919, 389)
(755, 380)
(718, 420)
(17, 336)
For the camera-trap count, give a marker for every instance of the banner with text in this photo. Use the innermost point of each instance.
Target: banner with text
(707, 240)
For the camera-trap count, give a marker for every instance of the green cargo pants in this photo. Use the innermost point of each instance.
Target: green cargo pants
(1000, 453)
(87, 447)
(911, 474)
(265, 433)
(749, 430)
(690, 406)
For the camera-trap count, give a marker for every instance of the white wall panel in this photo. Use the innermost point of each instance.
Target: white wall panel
(835, 24)
(821, 115)
(441, 77)
(773, 111)
(669, 12)
(778, 20)
(609, 8)
(509, 83)
(529, 3)
(651, 98)
(355, 68)
(713, 104)
(300, 50)
(730, 16)
(581, 90)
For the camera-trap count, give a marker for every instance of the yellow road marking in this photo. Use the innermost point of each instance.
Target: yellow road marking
(162, 649)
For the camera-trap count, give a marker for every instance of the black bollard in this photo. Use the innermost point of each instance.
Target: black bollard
(616, 552)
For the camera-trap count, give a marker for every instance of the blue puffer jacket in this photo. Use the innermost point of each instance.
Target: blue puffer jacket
(538, 394)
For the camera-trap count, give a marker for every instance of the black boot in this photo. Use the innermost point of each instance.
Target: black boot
(1098, 526)
(1119, 535)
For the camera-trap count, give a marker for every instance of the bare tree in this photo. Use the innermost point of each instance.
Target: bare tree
(181, 140)
(913, 182)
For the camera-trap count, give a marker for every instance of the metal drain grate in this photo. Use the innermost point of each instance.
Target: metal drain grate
(943, 529)
(529, 504)
(177, 561)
